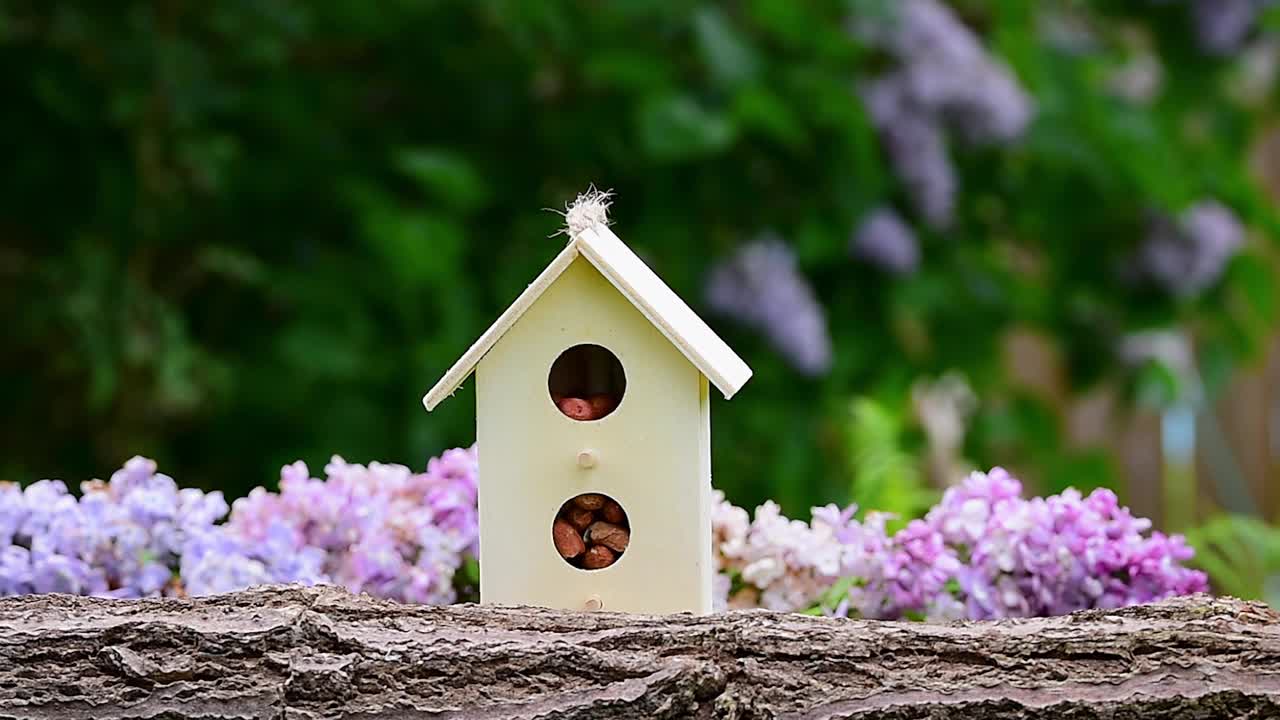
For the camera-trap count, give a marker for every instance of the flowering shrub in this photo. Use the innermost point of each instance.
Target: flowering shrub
(380, 529)
(983, 552)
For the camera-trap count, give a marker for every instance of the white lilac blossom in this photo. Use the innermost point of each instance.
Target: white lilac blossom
(1186, 256)
(1170, 348)
(886, 241)
(1139, 80)
(943, 78)
(762, 287)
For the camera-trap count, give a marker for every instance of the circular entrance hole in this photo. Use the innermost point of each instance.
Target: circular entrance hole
(591, 531)
(587, 382)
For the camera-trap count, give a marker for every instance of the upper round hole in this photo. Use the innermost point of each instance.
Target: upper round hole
(587, 382)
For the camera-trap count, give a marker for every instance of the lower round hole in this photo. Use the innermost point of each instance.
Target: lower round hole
(591, 531)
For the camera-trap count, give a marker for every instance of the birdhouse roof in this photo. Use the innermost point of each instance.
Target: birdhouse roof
(641, 286)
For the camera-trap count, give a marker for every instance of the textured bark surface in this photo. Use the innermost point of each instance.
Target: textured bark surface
(322, 653)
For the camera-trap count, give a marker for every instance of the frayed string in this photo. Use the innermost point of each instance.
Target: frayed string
(589, 209)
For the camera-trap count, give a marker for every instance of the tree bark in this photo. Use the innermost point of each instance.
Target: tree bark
(310, 653)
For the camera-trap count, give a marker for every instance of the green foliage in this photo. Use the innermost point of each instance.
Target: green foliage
(240, 233)
(886, 476)
(1241, 554)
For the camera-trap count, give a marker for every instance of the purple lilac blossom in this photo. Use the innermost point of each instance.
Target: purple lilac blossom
(121, 538)
(943, 78)
(885, 240)
(1221, 26)
(762, 287)
(380, 528)
(917, 151)
(1054, 555)
(1187, 256)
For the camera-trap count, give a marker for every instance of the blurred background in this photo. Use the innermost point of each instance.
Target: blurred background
(945, 235)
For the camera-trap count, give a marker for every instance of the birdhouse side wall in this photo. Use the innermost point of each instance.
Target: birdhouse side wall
(652, 456)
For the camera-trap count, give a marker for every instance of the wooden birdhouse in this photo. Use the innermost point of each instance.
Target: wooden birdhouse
(593, 414)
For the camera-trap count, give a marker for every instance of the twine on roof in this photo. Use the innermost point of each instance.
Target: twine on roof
(589, 209)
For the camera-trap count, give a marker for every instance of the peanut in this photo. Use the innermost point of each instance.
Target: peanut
(598, 556)
(612, 512)
(590, 501)
(602, 404)
(568, 542)
(579, 518)
(576, 408)
(609, 535)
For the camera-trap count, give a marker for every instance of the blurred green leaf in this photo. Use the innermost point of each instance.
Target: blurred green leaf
(730, 59)
(676, 127)
(1241, 556)
(444, 176)
(886, 478)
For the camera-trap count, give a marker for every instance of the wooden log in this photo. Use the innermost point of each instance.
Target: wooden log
(308, 653)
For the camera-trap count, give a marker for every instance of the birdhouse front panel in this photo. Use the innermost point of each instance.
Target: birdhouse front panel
(594, 442)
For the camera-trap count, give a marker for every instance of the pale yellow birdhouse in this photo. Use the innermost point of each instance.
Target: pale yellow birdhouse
(593, 414)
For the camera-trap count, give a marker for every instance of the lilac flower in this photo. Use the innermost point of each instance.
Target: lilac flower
(121, 538)
(1188, 256)
(1048, 556)
(762, 287)
(943, 78)
(1221, 26)
(783, 564)
(380, 528)
(983, 552)
(917, 150)
(886, 241)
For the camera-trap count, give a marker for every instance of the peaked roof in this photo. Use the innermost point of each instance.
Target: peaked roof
(641, 286)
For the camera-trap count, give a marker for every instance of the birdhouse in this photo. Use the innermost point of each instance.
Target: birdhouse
(593, 414)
